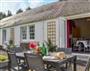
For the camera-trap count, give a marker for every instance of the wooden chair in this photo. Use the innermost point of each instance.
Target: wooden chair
(34, 62)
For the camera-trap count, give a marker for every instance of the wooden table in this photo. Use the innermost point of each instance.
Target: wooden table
(55, 63)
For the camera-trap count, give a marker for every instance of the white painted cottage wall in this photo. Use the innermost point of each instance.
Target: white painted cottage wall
(62, 32)
(17, 35)
(38, 32)
(0, 36)
(57, 30)
(41, 32)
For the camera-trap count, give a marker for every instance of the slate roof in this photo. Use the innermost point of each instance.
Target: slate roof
(49, 11)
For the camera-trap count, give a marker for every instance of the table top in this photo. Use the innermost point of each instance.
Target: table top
(46, 58)
(54, 62)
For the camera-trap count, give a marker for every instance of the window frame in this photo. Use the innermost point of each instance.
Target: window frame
(32, 32)
(23, 36)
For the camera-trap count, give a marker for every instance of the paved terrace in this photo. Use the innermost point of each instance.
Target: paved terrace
(81, 60)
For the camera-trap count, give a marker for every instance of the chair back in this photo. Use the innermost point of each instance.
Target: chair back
(66, 50)
(18, 49)
(11, 50)
(59, 49)
(12, 59)
(87, 68)
(34, 62)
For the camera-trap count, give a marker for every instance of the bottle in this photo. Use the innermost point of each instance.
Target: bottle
(44, 50)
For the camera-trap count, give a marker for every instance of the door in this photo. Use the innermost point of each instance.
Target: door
(12, 34)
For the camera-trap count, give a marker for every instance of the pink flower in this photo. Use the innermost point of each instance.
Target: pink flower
(32, 45)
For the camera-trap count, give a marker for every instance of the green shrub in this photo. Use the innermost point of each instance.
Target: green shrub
(3, 58)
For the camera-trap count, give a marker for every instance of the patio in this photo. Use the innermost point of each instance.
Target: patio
(80, 65)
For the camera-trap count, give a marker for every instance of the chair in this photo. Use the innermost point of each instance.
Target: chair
(66, 50)
(11, 50)
(87, 68)
(18, 49)
(34, 62)
(13, 62)
(59, 49)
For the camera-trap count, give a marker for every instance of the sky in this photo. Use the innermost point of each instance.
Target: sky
(14, 5)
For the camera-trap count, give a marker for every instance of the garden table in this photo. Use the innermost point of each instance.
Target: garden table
(55, 63)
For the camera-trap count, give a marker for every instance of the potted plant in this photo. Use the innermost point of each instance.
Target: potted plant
(50, 46)
(11, 44)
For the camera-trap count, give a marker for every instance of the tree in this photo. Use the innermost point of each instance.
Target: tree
(28, 8)
(19, 11)
(9, 13)
(2, 15)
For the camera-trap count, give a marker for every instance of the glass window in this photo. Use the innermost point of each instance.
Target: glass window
(32, 31)
(52, 31)
(23, 32)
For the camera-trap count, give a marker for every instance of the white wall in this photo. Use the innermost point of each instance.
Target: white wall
(62, 32)
(57, 30)
(38, 31)
(17, 35)
(0, 36)
(61, 35)
(41, 32)
(39, 35)
(7, 34)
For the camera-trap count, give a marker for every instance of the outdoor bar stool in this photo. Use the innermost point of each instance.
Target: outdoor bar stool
(13, 63)
(34, 62)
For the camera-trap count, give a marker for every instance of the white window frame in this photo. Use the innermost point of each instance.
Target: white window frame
(23, 32)
(31, 32)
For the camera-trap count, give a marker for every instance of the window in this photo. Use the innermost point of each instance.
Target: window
(23, 32)
(52, 31)
(4, 35)
(32, 31)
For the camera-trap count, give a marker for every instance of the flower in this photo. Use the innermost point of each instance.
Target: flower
(32, 45)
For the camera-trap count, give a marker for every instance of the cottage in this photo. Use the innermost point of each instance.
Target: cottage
(51, 21)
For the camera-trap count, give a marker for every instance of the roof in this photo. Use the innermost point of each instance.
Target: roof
(49, 11)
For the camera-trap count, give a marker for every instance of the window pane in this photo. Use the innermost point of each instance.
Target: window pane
(24, 32)
(32, 31)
